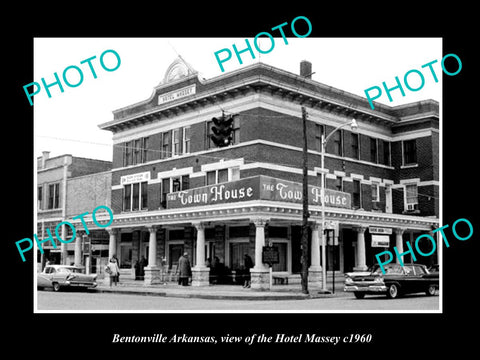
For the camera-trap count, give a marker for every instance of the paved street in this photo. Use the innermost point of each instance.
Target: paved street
(48, 300)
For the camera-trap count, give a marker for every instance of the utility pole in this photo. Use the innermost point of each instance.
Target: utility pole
(304, 242)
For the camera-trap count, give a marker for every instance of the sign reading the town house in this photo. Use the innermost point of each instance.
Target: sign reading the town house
(255, 188)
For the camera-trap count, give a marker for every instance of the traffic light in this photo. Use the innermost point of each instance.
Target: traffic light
(222, 130)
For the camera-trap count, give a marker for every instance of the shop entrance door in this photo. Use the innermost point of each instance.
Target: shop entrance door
(176, 250)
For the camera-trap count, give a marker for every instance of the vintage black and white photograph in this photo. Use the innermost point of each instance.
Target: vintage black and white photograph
(271, 174)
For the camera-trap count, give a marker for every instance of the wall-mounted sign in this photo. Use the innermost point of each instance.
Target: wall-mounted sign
(270, 255)
(379, 230)
(380, 241)
(135, 178)
(255, 188)
(177, 94)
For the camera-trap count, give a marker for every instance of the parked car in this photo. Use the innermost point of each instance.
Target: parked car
(397, 280)
(58, 276)
(434, 269)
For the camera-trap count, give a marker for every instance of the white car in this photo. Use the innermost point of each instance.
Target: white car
(58, 276)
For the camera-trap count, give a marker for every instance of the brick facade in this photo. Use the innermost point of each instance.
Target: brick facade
(393, 148)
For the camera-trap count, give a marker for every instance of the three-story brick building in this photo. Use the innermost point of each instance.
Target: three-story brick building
(174, 191)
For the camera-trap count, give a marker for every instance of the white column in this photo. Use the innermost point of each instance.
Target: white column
(315, 258)
(200, 248)
(259, 243)
(260, 278)
(112, 242)
(152, 271)
(315, 274)
(399, 242)
(152, 246)
(78, 248)
(200, 273)
(361, 256)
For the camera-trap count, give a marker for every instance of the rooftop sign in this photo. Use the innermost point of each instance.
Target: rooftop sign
(177, 94)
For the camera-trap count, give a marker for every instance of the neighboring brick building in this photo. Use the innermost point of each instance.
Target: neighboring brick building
(386, 173)
(61, 192)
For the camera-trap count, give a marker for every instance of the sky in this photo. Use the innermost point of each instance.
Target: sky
(67, 123)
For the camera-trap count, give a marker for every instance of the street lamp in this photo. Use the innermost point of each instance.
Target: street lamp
(354, 126)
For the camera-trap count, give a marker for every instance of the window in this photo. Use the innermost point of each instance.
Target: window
(176, 142)
(53, 196)
(373, 150)
(339, 183)
(409, 152)
(127, 154)
(166, 145)
(135, 196)
(355, 145)
(219, 176)
(40, 197)
(386, 152)
(186, 140)
(165, 191)
(319, 131)
(144, 149)
(236, 130)
(127, 197)
(375, 192)
(356, 198)
(135, 151)
(411, 197)
(282, 257)
(173, 184)
(209, 142)
(338, 143)
(144, 195)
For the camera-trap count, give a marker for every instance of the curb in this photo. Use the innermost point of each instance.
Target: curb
(267, 296)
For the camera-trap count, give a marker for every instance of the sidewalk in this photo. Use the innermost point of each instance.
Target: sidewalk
(220, 292)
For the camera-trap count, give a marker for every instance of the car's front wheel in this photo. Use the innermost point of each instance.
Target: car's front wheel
(431, 290)
(56, 286)
(392, 291)
(359, 295)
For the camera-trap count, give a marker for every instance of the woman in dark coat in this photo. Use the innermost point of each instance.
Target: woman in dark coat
(248, 266)
(184, 270)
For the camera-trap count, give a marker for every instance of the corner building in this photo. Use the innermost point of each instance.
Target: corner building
(174, 191)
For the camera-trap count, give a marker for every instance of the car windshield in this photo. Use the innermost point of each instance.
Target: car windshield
(389, 269)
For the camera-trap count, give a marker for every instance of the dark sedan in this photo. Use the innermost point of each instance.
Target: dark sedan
(397, 280)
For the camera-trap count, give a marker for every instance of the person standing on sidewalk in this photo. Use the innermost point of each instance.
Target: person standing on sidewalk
(113, 270)
(184, 269)
(248, 263)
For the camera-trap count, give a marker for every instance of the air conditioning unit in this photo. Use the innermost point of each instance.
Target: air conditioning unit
(411, 207)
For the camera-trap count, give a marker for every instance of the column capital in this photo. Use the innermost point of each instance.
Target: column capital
(360, 229)
(112, 231)
(259, 222)
(199, 225)
(399, 231)
(80, 233)
(315, 225)
(153, 228)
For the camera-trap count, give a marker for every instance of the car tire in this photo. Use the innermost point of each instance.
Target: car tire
(56, 287)
(431, 290)
(393, 291)
(359, 295)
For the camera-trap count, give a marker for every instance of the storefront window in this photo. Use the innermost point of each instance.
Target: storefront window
(282, 254)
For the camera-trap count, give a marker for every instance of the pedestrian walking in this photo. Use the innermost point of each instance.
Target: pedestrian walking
(113, 271)
(184, 270)
(248, 263)
(143, 264)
